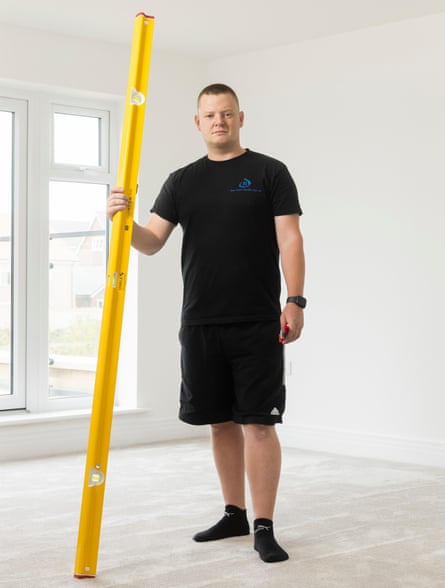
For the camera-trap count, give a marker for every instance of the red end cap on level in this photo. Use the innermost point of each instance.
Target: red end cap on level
(143, 14)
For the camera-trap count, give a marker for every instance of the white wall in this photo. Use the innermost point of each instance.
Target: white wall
(359, 118)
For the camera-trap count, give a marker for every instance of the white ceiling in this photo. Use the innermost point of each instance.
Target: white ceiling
(212, 29)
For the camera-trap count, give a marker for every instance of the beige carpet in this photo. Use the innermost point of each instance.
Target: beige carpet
(347, 523)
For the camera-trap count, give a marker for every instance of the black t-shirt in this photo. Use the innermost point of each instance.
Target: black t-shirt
(229, 250)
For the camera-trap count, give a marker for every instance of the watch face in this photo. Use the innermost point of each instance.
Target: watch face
(301, 301)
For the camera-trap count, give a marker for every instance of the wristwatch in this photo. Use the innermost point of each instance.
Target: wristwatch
(298, 300)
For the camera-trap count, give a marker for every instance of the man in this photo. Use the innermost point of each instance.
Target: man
(239, 212)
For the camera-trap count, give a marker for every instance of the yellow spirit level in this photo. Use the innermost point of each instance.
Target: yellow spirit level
(111, 327)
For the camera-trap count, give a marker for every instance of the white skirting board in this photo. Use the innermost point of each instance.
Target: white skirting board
(35, 436)
(43, 435)
(366, 445)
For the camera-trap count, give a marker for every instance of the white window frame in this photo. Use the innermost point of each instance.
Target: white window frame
(31, 226)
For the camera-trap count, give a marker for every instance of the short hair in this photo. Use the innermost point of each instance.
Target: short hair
(214, 89)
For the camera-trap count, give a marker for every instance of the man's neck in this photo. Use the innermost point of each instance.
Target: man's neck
(217, 155)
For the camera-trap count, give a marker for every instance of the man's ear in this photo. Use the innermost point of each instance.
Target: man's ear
(241, 118)
(197, 122)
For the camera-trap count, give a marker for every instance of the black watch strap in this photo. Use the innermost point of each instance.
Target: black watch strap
(298, 300)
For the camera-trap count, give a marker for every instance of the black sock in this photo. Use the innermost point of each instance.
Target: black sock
(233, 524)
(265, 544)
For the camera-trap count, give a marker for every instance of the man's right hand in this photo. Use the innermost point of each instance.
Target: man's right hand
(147, 239)
(117, 201)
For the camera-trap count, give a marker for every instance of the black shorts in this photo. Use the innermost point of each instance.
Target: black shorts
(232, 372)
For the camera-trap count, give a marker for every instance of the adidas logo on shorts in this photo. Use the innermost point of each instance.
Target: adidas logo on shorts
(275, 411)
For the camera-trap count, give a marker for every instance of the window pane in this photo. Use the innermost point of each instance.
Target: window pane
(76, 139)
(6, 129)
(77, 253)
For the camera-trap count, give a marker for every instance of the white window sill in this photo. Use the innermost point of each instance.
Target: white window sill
(13, 418)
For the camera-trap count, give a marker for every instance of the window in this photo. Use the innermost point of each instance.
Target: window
(83, 146)
(76, 285)
(13, 124)
(6, 175)
(53, 248)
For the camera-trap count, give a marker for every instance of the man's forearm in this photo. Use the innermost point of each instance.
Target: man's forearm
(145, 240)
(293, 266)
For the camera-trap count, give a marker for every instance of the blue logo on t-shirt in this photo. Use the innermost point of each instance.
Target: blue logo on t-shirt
(245, 186)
